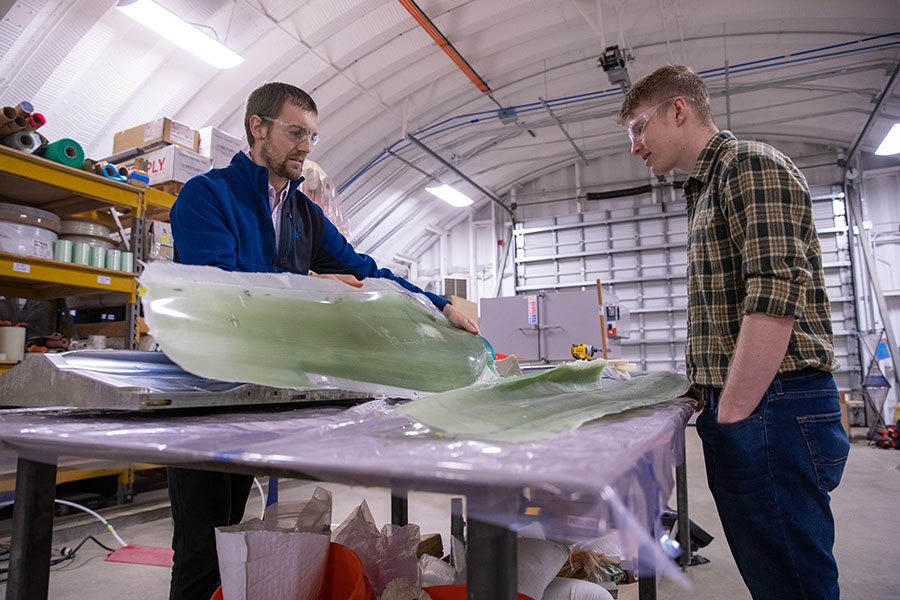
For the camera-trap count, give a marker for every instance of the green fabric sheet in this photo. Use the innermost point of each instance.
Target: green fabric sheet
(536, 407)
(286, 330)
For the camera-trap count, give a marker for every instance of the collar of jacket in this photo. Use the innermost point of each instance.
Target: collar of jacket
(257, 177)
(703, 167)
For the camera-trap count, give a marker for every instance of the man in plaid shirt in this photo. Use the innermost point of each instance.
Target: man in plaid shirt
(759, 343)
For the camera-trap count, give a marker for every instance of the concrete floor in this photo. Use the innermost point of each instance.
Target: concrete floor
(866, 507)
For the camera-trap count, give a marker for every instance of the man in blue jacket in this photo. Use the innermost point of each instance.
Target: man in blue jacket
(251, 216)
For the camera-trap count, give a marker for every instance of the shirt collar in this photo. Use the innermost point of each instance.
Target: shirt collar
(703, 167)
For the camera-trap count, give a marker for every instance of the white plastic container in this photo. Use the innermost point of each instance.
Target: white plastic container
(12, 342)
(28, 240)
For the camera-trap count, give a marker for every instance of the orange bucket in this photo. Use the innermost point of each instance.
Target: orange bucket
(455, 592)
(344, 577)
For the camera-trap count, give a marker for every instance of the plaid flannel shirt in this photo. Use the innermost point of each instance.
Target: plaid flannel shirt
(752, 248)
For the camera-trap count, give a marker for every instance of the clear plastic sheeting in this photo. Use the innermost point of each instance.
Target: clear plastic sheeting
(539, 406)
(615, 473)
(319, 187)
(285, 330)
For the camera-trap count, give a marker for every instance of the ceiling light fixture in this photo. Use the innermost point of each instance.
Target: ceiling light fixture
(180, 32)
(891, 142)
(450, 196)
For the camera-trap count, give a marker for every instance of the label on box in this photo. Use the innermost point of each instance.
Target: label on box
(21, 268)
(153, 130)
(103, 279)
(42, 249)
(181, 134)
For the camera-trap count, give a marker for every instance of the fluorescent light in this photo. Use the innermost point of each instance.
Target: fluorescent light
(891, 142)
(180, 32)
(450, 196)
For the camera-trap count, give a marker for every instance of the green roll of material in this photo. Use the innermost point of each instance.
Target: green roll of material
(65, 151)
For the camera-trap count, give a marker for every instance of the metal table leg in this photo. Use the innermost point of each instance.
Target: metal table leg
(399, 508)
(32, 530)
(681, 504)
(491, 570)
(646, 584)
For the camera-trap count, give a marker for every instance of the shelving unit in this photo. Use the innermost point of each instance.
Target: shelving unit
(66, 191)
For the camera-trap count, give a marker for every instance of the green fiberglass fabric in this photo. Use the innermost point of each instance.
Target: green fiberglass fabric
(286, 330)
(535, 407)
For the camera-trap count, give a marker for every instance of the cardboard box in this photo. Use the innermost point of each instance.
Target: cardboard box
(466, 307)
(173, 163)
(219, 146)
(159, 244)
(845, 412)
(162, 130)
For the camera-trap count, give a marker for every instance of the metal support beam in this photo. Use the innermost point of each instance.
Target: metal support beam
(856, 217)
(410, 165)
(465, 177)
(563, 129)
(32, 530)
(876, 112)
(681, 500)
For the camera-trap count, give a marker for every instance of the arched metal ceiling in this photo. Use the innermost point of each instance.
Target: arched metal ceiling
(803, 70)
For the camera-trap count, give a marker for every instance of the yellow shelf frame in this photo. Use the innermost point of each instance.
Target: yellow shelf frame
(19, 274)
(81, 183)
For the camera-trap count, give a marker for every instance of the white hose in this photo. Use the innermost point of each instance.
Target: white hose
(95, 515)
(262, 497)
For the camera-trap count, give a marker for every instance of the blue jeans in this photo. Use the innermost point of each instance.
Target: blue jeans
(770, 475)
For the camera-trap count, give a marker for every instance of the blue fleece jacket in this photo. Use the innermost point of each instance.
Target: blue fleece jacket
(222, 218)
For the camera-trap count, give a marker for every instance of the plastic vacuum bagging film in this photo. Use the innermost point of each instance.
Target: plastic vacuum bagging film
(286, 330)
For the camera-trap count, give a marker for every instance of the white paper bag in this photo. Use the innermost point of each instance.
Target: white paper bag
(260, 564)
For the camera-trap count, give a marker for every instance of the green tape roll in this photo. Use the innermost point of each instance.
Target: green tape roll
(65, 151)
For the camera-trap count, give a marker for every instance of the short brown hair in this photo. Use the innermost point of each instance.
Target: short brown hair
(268, 100)
(668, 82)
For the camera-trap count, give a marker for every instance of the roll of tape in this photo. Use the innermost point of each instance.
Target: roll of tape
(30, 216)
(22, 141)
(35, 121)
(65, 151)
(123, 171)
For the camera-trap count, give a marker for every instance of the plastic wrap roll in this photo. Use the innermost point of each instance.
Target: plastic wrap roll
(35, 121)
(81, 253)
(92, 242)
(16, 124)
(28, 240)
(28, 215)
(62, 250)
(127, 263)
(84, 227)
(21, 140)
(65, 151)
(98, 257)
(7, 114)
(24, 108)
(114, 259)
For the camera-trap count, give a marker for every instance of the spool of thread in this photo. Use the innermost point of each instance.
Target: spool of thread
(81, 253)
(35, 121)
(12, 342)
(98, 257)
(65, 151)
(7, 114)
(24, 108)
(16, 124)
(127, 262)
(22, 141)
(62, 250)
(114, 260)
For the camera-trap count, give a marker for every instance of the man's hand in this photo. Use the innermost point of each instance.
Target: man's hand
(348, 279)
(459, 320)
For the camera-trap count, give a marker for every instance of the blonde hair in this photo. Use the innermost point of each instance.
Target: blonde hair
(668, 82)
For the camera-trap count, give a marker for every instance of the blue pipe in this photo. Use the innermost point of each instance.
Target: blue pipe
(476, 117)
